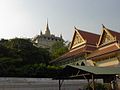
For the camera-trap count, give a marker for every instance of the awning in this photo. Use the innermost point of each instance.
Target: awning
(82, 72)
(97, 70)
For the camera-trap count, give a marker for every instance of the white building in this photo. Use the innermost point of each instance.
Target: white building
(47, 39)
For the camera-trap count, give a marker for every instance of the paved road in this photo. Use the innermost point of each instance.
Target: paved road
(38, 84)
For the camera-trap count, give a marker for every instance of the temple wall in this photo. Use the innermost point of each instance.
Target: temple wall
(108, 62)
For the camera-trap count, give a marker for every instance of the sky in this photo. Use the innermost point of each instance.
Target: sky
(26, 18)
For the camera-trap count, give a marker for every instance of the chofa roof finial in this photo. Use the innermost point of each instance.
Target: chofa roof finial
(103, 26)
(75, 27)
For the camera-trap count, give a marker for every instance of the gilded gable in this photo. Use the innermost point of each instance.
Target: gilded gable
(77, 40)
(106, 38)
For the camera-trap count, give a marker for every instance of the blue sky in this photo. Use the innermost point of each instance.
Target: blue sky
(26, 18)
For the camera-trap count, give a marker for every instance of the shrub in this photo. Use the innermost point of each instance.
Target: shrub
(98, 86)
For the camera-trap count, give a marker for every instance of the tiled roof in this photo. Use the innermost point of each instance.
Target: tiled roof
(70, 54)
(103, 51)
(90, 37)
(75, 52)
(106, 49)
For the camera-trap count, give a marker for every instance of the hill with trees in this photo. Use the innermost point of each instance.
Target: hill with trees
(20, 58)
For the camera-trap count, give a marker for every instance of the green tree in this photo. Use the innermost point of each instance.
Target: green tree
(8, 61)
(27, 51)
(58, 49)
(3, 41)
(41, 70)
(20, 58)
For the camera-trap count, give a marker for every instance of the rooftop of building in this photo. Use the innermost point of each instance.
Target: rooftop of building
(90, 44)
(107, 47)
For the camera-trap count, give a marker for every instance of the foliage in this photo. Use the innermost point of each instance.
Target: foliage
(58, 48)
(98, 86)
(27, 51)
(40, 70)
(33, 70)
(20, 58)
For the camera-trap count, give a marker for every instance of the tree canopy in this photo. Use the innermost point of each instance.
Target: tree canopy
(27, 51)
(19, 57)
(58, 48)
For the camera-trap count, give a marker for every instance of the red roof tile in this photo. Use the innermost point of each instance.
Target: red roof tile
(70, 54)
(103, 51)
(90, 37)
(76, 52)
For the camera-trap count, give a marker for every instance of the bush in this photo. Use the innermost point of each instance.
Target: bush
(98, 86)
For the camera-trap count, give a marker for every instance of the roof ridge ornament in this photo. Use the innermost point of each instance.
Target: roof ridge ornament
(75, 27)
(103, 26)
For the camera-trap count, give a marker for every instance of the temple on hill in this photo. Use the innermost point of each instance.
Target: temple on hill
(89, 49)
(47, 39)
